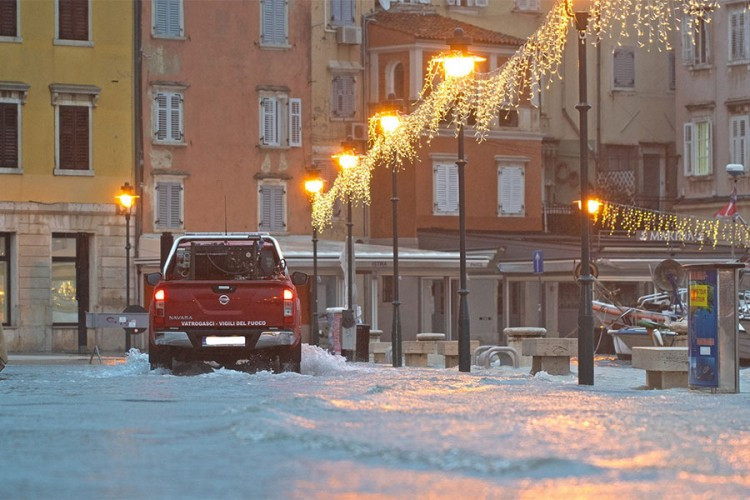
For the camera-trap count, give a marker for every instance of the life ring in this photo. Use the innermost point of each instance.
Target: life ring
(593, 268)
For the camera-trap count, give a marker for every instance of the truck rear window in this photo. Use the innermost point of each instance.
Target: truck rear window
(218, 261)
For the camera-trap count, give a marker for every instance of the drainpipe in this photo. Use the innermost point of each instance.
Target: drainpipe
(138, 131)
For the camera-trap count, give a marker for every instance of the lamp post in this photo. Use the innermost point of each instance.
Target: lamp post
(389, 122)
(313, 186)
(585, 306)
(460, 64)
(126, 200)
(348, 159)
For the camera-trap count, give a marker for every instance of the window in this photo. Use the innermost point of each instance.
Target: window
(445, 189)
(8, 18)
(739, 148)
(73, 118)
(63, 283)
(507, 118)
(168, 18)
(671, 68)
(73, 20)
(273, 15)
(280, 120)
(464, 3)
(394, 80)
(527, 5)
(4, 278)
(739, 34)
(343, 99)
(695, 42)
(511, 190)
(698, 152)
(624, 67)
(272, 207)
(12, 96)
(169, 196)
(168, 111)
(342, 12)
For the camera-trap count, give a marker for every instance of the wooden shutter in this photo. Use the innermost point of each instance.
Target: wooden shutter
(738, 35)
(161, 17)
(74, 137)
(342, 12)
(624, 68)
(740, 125)
(161, 116)
(8, 135)
(343, 96)
(295, 122)
(73, 18)
(168, 205)
(688, 40)
(445, 193)
(272, 208)
(175, 117)
(8, 18)
(268, 125)
(273, 19)
(174, 25)
(512, 189)
(687, 148)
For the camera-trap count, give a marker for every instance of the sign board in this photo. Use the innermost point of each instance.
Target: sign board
(538, 259)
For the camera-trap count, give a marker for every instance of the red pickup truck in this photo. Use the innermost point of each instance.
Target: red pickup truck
(226, 298)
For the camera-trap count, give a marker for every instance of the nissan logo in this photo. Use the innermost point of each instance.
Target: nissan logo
(223, 300)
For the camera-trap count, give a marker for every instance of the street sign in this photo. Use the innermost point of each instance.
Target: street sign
(538, 259)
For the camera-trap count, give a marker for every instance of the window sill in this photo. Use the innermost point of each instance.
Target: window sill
(11, 39)
(276, 148)
(73, 173)
(273, 46)
(168, 143)
(700, 67)
(180, 38)
(73, 43)
(741, 62)
(446, 214)
(11, 171)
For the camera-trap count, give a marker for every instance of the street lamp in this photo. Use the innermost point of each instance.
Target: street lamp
(460, 64)
(579, 11)
(126, 200)
(313, 186)
(389, 122)
(348, 159)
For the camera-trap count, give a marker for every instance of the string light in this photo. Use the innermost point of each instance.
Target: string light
(451, 102)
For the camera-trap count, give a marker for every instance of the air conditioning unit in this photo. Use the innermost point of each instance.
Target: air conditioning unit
(349, 35)
(357, 131)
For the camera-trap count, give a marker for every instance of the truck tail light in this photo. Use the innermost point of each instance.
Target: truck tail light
(288, 306)
(159, 296)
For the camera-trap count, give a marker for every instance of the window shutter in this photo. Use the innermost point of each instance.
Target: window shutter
(295, 122)
(161, 16)
(272, 208)
(512, 190)
(273, 15)
(268, 128)
(73, 18)
(342, 12)
(8, 135)
(446, 188)
(160, 118)
(74, 137)
(174, 24)
(168, 205)
(688, 40)
(740, 146)
(8, 17)
(687, 150)
(175, 117)
(709, 147)
(481, 3)
(624, 68)
(672, 77)
(738, 35)
(343, 96)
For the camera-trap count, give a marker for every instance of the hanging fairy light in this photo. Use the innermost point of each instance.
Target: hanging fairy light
(650, 23)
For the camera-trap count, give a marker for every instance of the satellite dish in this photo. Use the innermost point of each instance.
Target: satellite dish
(669, 275)
(386, 4)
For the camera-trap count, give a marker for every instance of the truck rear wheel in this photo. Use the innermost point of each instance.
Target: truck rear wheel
(159, 357)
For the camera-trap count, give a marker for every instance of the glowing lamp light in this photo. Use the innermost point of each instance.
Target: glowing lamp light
(347, 160)
(389, 123)
(314, 186)
(592, 205)
(459, 65)
(126, 198)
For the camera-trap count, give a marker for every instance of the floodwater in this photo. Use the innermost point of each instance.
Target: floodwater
(349, 429)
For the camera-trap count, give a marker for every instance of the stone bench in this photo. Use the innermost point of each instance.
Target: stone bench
(515, 336)
(379, 351)
(550, 355)
(416, 351)
(449, 349)
(666, 367)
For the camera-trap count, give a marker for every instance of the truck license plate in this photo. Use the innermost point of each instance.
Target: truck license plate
(233, 341)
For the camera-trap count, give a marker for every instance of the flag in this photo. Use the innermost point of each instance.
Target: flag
(730, 209)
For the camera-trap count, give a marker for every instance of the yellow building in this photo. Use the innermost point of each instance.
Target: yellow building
(66, 146)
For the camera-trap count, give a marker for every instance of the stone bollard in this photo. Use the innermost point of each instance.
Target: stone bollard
(516, 335)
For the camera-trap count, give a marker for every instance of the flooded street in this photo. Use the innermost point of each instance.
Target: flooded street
(123, 431)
